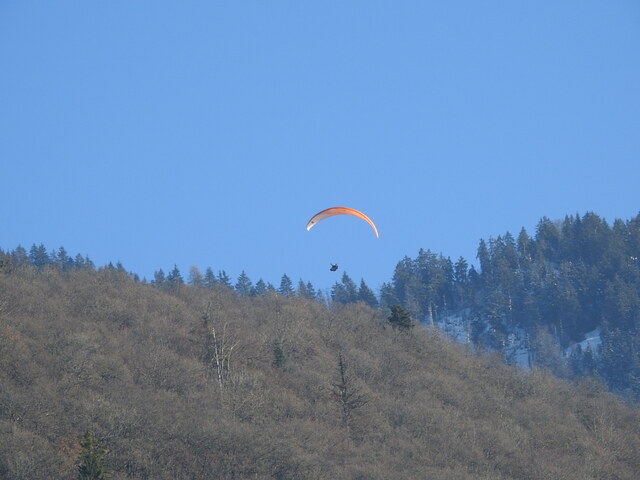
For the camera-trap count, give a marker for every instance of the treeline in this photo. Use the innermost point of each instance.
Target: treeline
(39, 258)
(343, 292)
(571, 277)
(243, 286)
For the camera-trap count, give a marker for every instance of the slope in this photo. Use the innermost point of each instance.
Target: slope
(199, 383)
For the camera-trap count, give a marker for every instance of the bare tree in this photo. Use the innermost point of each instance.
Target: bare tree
(222, 348)
(347, 394)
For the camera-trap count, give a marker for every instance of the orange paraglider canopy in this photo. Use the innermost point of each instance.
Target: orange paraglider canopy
(330, 212)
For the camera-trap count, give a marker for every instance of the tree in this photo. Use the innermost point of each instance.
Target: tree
(224, 279)
(400, 318)
(279, 357)
(306, 290)
(92, 459)
(461, 281)
(20, 256)
(209, 278)
(195, 277)
(83, 262)
(62, 259)
(261, 287)
(244, 286)
(159, 278)
(286, 286)
(39, 256)
(347, 394)
(311, 291)
(484, 258)
(345, 292)
(366, 295)
(388, 295)
(174, 279)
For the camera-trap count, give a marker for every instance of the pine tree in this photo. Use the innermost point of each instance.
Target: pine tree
(338, 293)
(224, 279)
(366, 295)
(20, 256)
(305, 290)
(62, 259)
(279, 357)
(311, 291)
(388, 295)
(400, 318)
(261, 287)
(92, 459)
(286, 286)
(244, 286)
(484, 258)
(209, 278)
(159, 278)
(174, 279)
(39, 256)
(345, 291)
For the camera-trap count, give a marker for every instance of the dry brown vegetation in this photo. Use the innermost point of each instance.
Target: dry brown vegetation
(199, 383)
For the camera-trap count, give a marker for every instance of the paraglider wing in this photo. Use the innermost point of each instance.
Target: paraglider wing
(330, 212)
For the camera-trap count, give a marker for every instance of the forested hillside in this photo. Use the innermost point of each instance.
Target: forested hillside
(536, 298)
(179, 381)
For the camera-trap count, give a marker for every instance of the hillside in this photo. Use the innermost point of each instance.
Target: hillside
(538, 299)
(201, 383)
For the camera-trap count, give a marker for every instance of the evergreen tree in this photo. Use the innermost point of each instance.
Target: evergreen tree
(261, 287)
(524, 245)
(311, 291)
(388, 295)
(209, 278)
(461, 282)
(301, 291)
(400, 318)
(63, 260)
(547, 240)
(159, 278)
(92, 459)
(89, 263)
(174, 278)
(366, 295)
(306, 290)
(20, 256)
(345, 291)
(338, 293)
(244, 286)
(279, 357)
(286, 286)
(484, 258)
(350, 289)
(224, 279)
(39, 256)
(617, 359)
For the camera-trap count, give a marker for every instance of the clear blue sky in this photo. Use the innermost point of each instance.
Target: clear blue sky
(207, 133)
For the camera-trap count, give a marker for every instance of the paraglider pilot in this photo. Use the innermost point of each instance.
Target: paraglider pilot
(334, 267)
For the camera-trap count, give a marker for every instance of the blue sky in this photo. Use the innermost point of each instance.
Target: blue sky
(207, 133)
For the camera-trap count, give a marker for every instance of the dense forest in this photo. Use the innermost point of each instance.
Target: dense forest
(103, 375)
(543, 293)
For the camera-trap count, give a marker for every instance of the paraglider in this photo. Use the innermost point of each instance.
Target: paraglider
(330, 212)
(334, 267)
